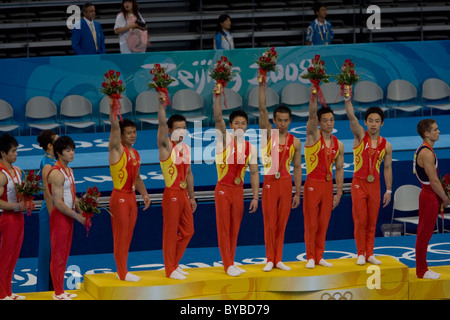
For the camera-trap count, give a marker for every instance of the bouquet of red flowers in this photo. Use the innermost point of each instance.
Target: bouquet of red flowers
(88, 204)
(347, 77)
(161, 80)
(28, 188)
(316, 74)
(222, 73)
(267, 62)
(445, 181)
(113, 88)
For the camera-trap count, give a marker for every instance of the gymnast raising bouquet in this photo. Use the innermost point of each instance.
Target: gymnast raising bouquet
(267, 62)
(113, 87)
(222, 74)
(161, 81)
(316, 73)
(347, 78)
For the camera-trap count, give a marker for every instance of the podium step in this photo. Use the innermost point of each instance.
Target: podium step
(345, 280)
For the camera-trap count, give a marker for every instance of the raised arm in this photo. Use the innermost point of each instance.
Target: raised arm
(218, 118)
(312, 130)
(114, 146)
(297, 161)
(357, 129)
(264, 122)
(163, 140)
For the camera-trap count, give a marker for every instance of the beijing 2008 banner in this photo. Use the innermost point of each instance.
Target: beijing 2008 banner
(58, 77)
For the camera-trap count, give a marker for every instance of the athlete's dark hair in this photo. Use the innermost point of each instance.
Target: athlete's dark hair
(374, 110)
(7, 142)
(323, 111)
(238, 113)
(61, 144)
(46, 137)
(282, 109)
(175, 118)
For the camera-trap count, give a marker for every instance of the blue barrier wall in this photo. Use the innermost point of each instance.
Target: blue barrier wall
(58, 77)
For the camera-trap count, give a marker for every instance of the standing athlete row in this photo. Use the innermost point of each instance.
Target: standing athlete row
(233, 156)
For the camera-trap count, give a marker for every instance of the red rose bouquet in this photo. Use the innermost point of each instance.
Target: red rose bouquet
(161, 81)
(113, 88)
(267, 62)
(445, 181)
(347, 77)
(28, 188)
(316, 74)
(222, 73)
(88, 204)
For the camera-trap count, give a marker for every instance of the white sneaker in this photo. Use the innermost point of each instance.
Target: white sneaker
(182, 271)
(268, 267)
(70, 295)
(325, 263)
(311, 264)
(361, 260)
(177, 276)
(62, 296)
(431, 275)
(282, 266)
(17, 297)
(373, 260)
(233, 272)
(130, 277)
(239, 269)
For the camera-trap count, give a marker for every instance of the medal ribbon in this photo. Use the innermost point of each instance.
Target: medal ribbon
(328, 154)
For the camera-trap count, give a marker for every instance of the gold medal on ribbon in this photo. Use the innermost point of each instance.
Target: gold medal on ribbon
(370, 178)
(277, 175)
(328, 177)
(237, 181)
(183, 184)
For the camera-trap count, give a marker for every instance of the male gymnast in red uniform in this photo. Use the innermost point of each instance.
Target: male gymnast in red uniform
(431, 196)
(369, 150)
(124, 162)
(233, 156)
(322, 149)
(279, 150)
(178, 202)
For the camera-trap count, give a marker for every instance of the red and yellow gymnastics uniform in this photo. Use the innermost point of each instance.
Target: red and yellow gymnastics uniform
(11, 230)
(277, 193)
(61, 230)
(429, 206)
(123, 206)
(178, 221)
(366, 194)
(318, 195)
(229, 196)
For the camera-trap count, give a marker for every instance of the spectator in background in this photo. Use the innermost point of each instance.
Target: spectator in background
(87, 35)
(320, 31)
(131, 28)
(223, 38)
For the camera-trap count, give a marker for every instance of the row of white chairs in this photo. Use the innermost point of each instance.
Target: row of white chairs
(76, 111)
